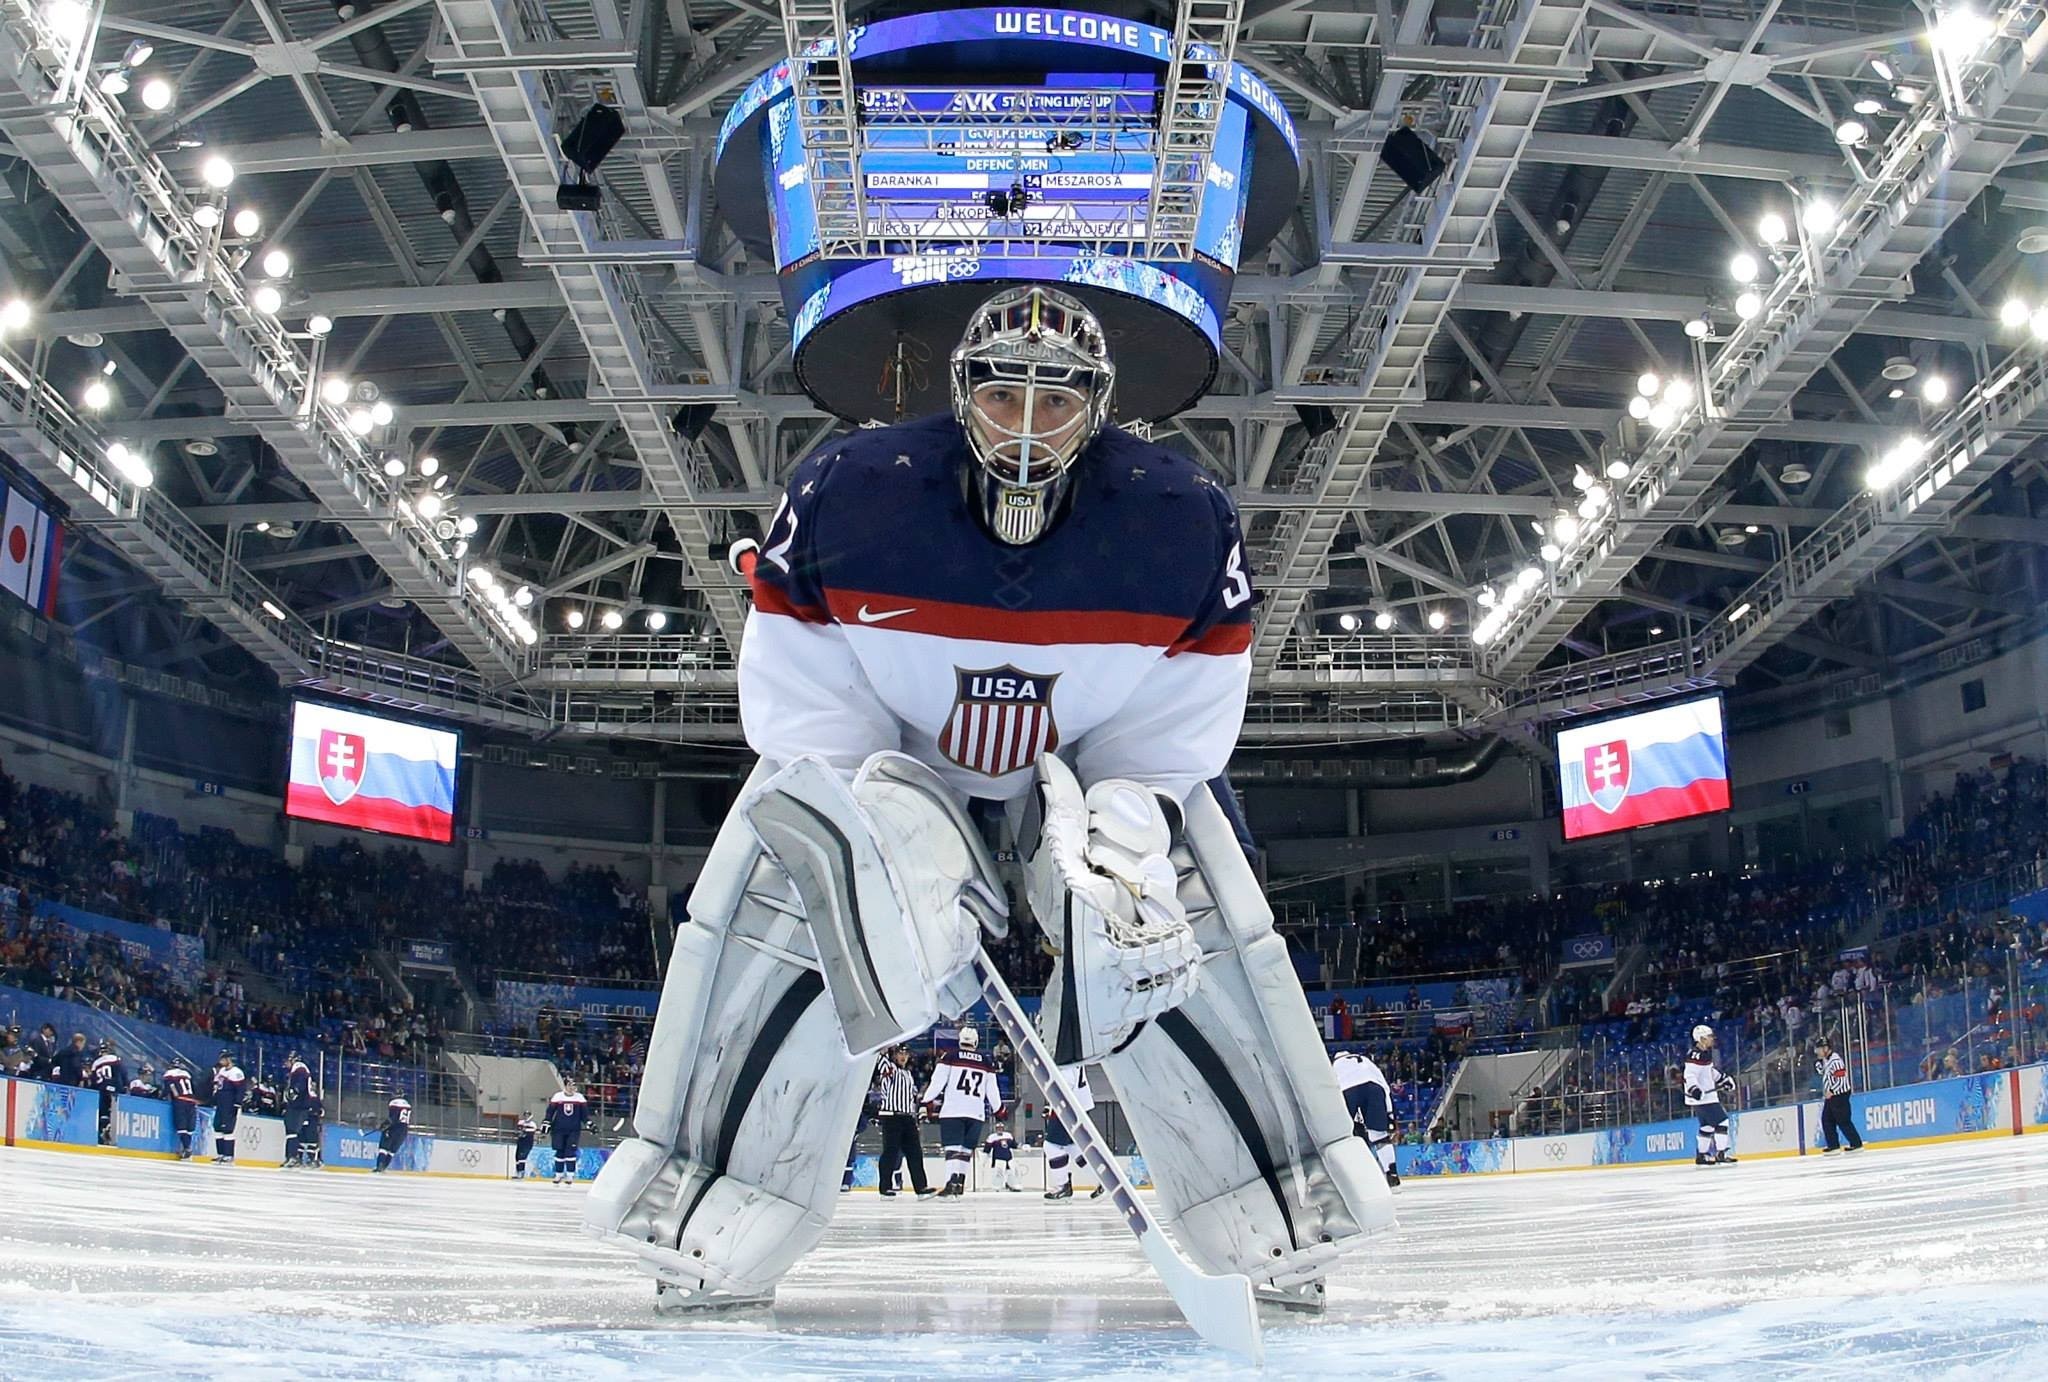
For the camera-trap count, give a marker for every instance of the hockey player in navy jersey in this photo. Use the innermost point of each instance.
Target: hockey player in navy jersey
(298, 1088)
(312, 1129)
(1024, 605)
(397, 1127)
(963, 1096)
(109, 1075)
(567, 1111)
(1002, 1159)
(1705, 1088)
(184, 1105)
(523, 1148)
(230, 1087)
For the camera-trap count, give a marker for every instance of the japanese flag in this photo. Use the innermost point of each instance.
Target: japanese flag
(29, 542)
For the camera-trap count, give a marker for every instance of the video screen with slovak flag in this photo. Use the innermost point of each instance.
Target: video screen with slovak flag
(371, 773)
(1657, 765)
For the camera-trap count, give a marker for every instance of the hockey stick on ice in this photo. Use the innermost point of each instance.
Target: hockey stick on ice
(1221, 1309)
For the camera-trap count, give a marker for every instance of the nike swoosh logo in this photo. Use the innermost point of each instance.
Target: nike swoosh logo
(876, 616)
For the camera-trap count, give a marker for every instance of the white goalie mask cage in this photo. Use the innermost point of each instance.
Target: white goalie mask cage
(1031, 383)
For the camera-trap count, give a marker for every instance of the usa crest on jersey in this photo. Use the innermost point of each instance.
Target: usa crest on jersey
(1001, 720)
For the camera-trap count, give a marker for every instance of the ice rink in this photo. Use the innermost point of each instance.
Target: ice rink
(1932, 1258)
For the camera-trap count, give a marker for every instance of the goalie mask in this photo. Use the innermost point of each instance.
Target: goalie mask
(1031, 387)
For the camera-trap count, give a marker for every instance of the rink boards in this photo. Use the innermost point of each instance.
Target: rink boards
(1993, 1104)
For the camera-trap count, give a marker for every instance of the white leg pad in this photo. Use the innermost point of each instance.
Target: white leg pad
(1240, 1120)
(748, 1100)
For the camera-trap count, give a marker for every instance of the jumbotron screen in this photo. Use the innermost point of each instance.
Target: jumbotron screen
(1658, 765)
(371, 773)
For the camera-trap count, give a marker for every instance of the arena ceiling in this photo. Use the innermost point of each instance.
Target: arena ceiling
(1416, 388)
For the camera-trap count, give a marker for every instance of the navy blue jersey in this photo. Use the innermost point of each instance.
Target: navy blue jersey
(178, 1083)
(398, 1114)
(109, 1074)
(567, 1112)
(885, 617)
(230, 1087)
(298, 1084)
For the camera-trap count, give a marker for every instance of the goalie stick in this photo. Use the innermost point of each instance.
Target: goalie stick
(1221, 1309)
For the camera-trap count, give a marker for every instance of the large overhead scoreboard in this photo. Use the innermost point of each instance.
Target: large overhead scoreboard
(998, 146)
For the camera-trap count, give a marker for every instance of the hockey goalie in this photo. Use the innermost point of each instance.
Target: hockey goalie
(1022, 604)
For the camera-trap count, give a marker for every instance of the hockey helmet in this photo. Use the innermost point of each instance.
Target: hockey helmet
(1703, 1035)
(226, 1057)
(969, 1039)
(106, 1046)
(1031, 382)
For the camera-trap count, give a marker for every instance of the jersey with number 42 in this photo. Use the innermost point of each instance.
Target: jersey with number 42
(963, 1086)
(885, 617)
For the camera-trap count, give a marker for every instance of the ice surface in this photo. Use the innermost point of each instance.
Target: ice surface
(1933, 1258)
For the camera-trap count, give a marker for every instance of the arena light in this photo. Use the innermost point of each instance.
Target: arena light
(130, 465)
(14, 315)
(1883, 69)
(428, 465)
(1960, 32)
(206, 215)
(1617, 469)
(466, 525)
(319, 325)
(1850, 133)
(1437, 620)
(574, 618)
(1348, 622)
(361, 423)
(273, 611)
(157, 94)
(1383, 621)
(394, 467)
(68, 20)
(276, 264)
(1743, 268)
(2013, 314)
(1550, 551)
(217, 173)
(139, 51)
(1639, 408)
(1565, 528)
(656, 621)
(1770, 228)
(1648, 383)
(114, 83)
(382, 413)
(612, 620)
(1740, 611)
(1698, 328)
(265, 298)
(1934, 388)
(1818, 216)
(523, 597)
(248, 221)
(98, 395)
(335, 390)
(1747, 305)
(1869, 105)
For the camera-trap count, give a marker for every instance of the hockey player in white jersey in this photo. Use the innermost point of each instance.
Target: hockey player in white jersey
(1023, 604)
(1061, 1155)
(962, 1095)
(1371, 1101)
(1705, 1088)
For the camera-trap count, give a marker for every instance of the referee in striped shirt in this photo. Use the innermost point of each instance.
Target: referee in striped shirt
(898, 1117)
(1835, 1122)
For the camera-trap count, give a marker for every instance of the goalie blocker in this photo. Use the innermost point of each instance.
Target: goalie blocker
(1231, 1097)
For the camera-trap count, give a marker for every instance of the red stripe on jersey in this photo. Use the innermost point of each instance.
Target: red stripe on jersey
(1222, 640)
(770, 599)
(1043, 628)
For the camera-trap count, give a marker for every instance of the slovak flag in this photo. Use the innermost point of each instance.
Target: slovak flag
(31, 546)
(365, 771)
(1660, 765)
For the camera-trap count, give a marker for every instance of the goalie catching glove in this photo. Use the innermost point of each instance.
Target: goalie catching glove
(1106, 894)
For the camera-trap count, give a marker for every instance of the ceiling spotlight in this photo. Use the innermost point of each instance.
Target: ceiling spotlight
(1883, 70)
(115, 83)
(1908, 95)
(1742, 268)
(523, 596)
(132, 466)
(14, 315)
(1486, 597)
(1961, 31)
(1896, 394)
(1697, 328)
(574, 619)
(1383, 621)
(381, 413)
(335, 390)
(265, 298)
(360, 422)
(1639, 407)
(206, 215)
(1648, 383)
(1662, 415)
(1794, 474)
(1898, 368)
(1348, 623)
(1869, 105)
(247, 222)
(1550, 551)
(482, 577)
(1770, 228)
(394, 467)
(98, 395)
(1747, 305)
(612, 619)
(1582, 479)
(1934, 388)
(1749, 528)
(1818, 216)
(1678, 393)
(1564, 527)
(157, 94)
(262, 525)
(656, 621)
(1617, 469)
(217, 173)
(1589, 507)
(1850, 132)
(2013, 314)
(1656, 631)
(466, 526)
(276, 264)
(429, 464)
(1437, 620)
(139, 52)
(319, 325)
(429, 505)
(441, 480)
